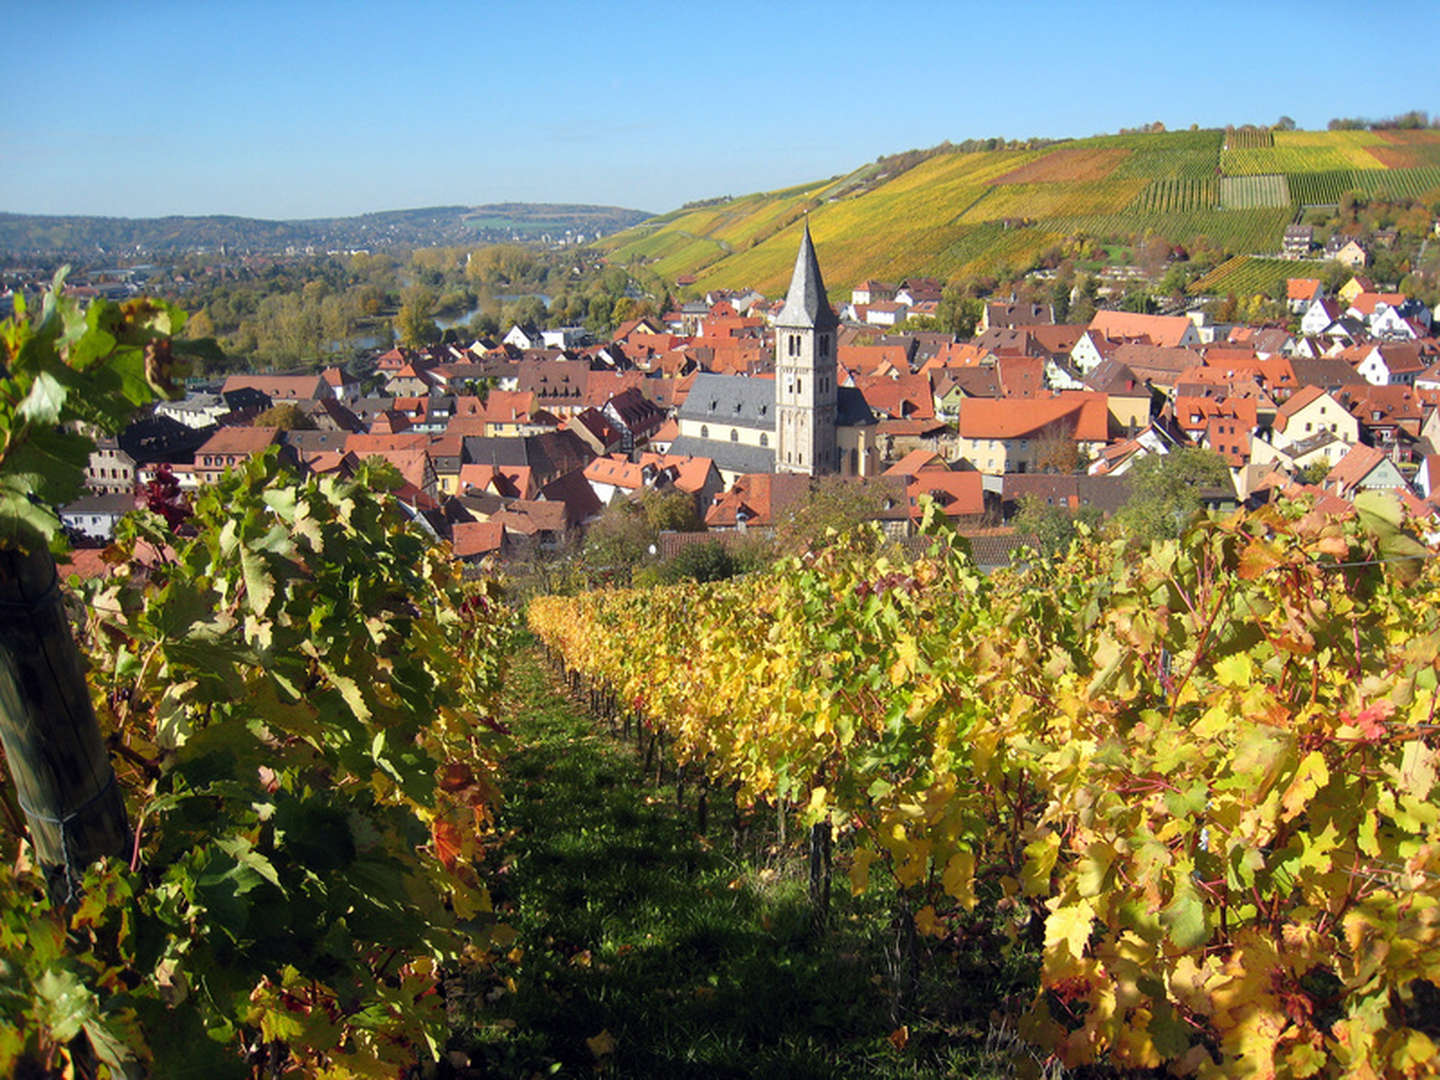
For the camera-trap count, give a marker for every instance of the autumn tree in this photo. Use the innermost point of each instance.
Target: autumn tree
(1168, 490)
(414, 324)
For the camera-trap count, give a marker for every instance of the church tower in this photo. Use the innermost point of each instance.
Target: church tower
(805, 332)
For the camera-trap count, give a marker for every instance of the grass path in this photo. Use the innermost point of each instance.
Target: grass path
(649, 950)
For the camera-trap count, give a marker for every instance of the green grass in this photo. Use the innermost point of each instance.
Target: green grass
(695, 953)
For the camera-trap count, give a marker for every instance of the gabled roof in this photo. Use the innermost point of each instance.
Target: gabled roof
(1302, 288)
(529, 517)
(1350, 470)
(909, 396)
(959, 494)
(469, 539)
(916, 462)
(733, 400)
(691, 473)
(616, 471)
(1165, 330)
(239, 440)
(806, 305)
(578, 497)
(1306, 395)
(757, 499)
(1014, 418)
(1366, 302)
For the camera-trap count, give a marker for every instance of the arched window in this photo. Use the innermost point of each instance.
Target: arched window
(704, 431)
(764, 439)
(734, 435)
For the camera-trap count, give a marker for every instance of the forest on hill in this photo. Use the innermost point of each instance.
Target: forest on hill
(92, 237)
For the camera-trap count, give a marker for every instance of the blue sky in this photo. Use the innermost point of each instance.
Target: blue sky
(303, 109)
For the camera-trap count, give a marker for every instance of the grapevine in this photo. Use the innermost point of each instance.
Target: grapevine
(1204, 778)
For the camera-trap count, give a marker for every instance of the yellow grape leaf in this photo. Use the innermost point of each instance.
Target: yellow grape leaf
(1070, 925)
(1234, 670)
(1040, 857)
(1184, 916)
(1311, 775)
(1416, 1056)
(927, 923)
(1217, 719)
(959, 878)
(1305, 1060)
(601, 1045)
(860, 870)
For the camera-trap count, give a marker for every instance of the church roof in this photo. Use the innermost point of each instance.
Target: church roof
(732, 457)
(806, 305)
(734, 400)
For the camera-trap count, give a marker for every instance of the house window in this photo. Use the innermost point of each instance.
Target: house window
(704, 431)
(764, 439)
(793, 344)
(734, 435)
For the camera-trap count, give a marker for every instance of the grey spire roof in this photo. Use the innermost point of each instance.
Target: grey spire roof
(806, 305)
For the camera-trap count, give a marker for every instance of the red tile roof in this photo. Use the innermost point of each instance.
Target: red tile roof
(1013, 418)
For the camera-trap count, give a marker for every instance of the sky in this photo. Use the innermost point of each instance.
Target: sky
(315, 109)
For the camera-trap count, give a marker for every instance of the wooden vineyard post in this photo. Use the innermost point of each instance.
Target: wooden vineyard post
(63, 780)
(820, 875)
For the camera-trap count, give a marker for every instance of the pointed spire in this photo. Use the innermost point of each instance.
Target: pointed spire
(806, 305)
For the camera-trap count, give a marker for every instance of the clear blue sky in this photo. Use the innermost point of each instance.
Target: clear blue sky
(307, 109)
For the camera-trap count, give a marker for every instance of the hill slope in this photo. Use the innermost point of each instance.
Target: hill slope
(955, 213)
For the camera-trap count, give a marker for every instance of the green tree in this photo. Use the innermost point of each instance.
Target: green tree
(1052, 527)
(1166, 491)
(286, 416)
(708, 561)
(958, 312)
(833, 507)
(414, 324)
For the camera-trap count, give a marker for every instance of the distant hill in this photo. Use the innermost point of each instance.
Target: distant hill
(948, 212)
(92, 237)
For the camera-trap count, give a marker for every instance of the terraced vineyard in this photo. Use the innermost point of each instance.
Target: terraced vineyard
(955, 213)
(1246, 275)
(1173, 195)
(1249, 139)
(1253, 192)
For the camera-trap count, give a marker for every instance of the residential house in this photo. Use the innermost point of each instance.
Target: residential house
(1167, 331)
(1071, 492)
(1319, 315)
(1391, 365)
(229, 447)
(1347, 250)
(111, 469)
(472, 541)
(1310, 410)
(1129, 399)
(636, 417)
(1032, 434)
(1297, 241)
(1364, 468)
(280, 388)
(93, 515)
(523, 337)
(872, 292)
(1013, 314)
(1353, 288)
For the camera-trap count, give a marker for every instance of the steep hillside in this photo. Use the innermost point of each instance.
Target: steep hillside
(991, 211)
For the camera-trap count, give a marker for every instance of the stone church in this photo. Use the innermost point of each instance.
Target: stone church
(801, 422)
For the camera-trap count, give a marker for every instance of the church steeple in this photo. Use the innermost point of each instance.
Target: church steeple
(805, 371)
(806, 305)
